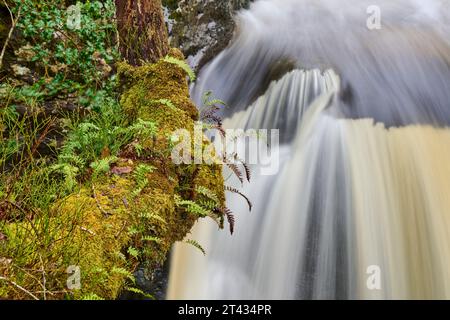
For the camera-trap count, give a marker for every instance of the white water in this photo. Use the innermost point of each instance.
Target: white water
(365, 161)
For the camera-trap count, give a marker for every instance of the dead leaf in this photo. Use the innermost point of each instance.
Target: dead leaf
(121, 170)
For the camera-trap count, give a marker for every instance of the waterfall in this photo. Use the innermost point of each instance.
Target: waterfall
(364, 162)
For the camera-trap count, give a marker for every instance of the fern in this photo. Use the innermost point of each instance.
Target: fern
(234, 190)
(103, 165)
(208, 204)
(70, 174)
(230, 217)
(237, 172)
(140, 292)
(133, 252)
(183, 65)
(142, 129)
(124, 272)
(196, 245)
(192, 207)
(209, 102)
(246, 167)
(151, 239)
(165, 102)
(207, 193)
(152, 216)
(91, 297)
(140, 176)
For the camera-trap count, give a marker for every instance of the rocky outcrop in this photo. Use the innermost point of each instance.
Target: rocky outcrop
(202, 28)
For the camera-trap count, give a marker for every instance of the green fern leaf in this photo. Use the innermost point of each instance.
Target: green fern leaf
(183, 65)
(196, 245)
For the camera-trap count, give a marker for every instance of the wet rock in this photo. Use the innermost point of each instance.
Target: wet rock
(202, 28)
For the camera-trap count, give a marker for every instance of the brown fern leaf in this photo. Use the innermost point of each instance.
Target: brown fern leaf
(230, 217)
(235, 170)
(210, 113)
(213, 118)
(248, 173)
(234, 190)
(220, 129)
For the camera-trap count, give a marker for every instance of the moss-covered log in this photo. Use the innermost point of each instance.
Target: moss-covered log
(115, 222)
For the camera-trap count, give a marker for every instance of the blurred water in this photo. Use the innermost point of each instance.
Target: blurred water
(365, 161)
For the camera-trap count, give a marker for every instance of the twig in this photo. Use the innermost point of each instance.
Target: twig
(13, 26)
(99, 206)
(121, 230)
(19, 287)
(87, 230)
(44, 280)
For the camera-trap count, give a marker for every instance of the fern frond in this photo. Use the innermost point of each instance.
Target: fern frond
(183, 65)
(245, 165)
(207, 193)
(151, 239)
(133, 252)
(91, 297)
(234, 190)
(140, 176)
(124, 272)
(208, 204)
(139, 291)
(103, 165)
(230, 217)
(196, 245)
(237, 172)
(69, 172)
(192, 207)
(165, 102)
(205, 96)
(215, 102)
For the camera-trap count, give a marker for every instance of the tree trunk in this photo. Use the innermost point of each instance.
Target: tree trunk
(142, 31)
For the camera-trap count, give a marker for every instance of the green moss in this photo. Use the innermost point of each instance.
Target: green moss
(115, 222)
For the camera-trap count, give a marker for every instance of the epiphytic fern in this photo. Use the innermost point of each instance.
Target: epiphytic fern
(234, 190)
(196, 245)
(237, 172)
(192, 207)
(230, 217)
(165, 102)
(245, 165)
(183, 65)
(140, 176)
(103, 165)
(207, 193)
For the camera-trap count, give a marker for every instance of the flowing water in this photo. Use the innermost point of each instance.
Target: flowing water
(360, 207)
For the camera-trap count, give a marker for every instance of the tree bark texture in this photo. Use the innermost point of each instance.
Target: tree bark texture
(142, 30)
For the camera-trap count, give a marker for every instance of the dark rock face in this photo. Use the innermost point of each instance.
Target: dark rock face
(202, 28)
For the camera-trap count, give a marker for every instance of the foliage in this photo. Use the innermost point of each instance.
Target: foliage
(183, 65)
(140, 176)
(196, 245)
(105, 195)
(65, 57)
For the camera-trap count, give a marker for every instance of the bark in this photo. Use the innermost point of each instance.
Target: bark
(142, 30)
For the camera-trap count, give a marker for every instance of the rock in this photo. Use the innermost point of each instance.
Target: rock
(202, 28)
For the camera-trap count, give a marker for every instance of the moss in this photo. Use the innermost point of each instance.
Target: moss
(115, 223)
(158, 81)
